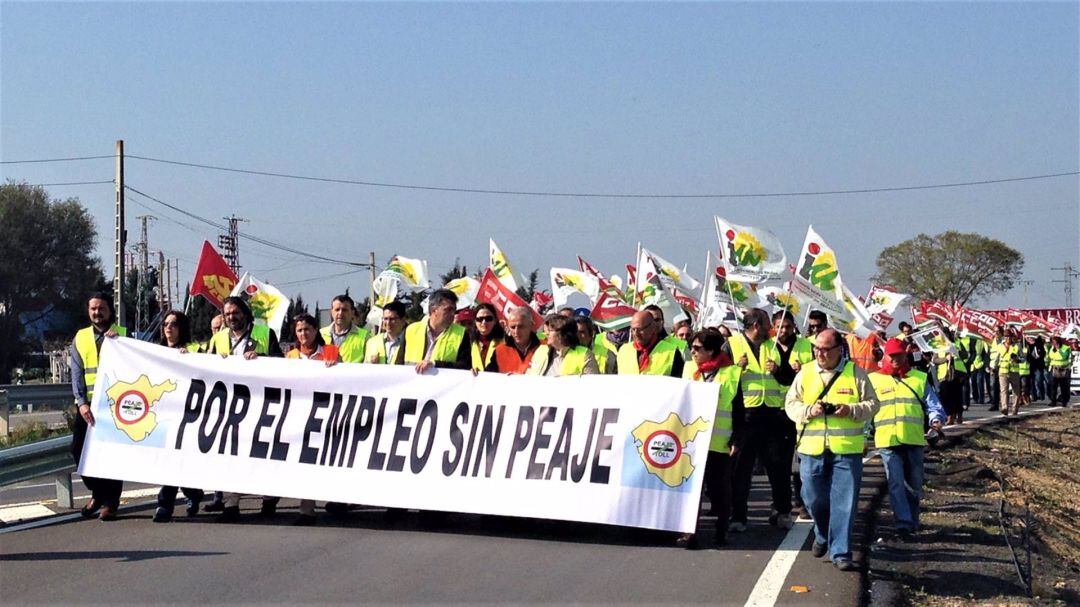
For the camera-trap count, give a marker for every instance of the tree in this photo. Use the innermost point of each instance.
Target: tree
(46, 257)
(951, 267)
(526, 291)
(458, 271)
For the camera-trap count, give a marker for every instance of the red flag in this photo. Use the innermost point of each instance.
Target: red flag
(611, 313)
(214, 279)
(976, 323)
(494, 292)
(938, 310)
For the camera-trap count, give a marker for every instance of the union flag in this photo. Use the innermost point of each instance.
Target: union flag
(214, 279)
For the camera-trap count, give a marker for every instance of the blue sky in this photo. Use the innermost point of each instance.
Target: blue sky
(635, 98)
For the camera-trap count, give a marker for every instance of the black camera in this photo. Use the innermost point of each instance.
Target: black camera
(828, 408)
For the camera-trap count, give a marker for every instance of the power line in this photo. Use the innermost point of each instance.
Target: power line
(37, 160)
(250, 237)
(42, 185)
(469, 190)
(318, 278)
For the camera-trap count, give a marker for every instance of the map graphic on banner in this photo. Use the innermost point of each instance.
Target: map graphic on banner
(269, 305)
(599, 449)
(131, 405)
(662, 447)
(750, 254)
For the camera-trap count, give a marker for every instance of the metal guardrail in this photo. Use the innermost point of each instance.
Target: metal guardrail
(37, 459)
(55, 395)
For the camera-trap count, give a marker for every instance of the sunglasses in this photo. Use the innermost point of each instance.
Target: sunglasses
(171, 324)
(485, 319)
(697, 348)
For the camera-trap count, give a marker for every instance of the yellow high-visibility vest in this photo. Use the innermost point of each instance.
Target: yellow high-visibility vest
(446, 345)
(758, 385)
(841, 435)
(86, 346)
(899, 420)
(353, 348)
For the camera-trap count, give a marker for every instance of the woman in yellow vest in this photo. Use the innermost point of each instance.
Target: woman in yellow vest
(709, 363)
(903, 396)
(486, 333)
(562, 355)
(176, 334)
(311, 346)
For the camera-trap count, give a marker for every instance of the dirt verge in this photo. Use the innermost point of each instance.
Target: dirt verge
(960, 557)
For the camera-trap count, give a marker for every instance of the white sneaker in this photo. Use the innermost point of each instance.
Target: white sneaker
(784, 521)
(736, 527)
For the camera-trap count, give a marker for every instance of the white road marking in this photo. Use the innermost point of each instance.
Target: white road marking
(11, 514)
(771, 582)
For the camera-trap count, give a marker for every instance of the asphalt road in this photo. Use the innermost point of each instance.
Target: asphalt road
(364, 558)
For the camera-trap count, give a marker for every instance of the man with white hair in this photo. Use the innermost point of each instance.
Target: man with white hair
(515, 354)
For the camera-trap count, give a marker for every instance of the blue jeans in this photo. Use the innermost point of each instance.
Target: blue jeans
(1039, 388)
(904, 474)
(831, 493)
(979, 386)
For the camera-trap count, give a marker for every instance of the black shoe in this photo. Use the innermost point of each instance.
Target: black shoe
(846, 565)
(269, 507)
(215, 506)
(229, 514)
(687, 540)
(819, 549)
(304, 520)
(162, 515)
(720, 539)
(90, 508)
(192, 508)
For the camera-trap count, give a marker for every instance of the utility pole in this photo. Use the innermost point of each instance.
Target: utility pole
(372, 263)
(1068, 274)
(168, 283)
(229, 244)
(162, 282)
(120, 236)
(176, 281)
(143, 285)
(1026, 283)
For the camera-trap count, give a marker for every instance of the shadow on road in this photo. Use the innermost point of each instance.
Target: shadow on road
(124, 556)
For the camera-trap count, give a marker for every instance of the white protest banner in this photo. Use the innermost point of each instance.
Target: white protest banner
(750, 254)
(621, 450)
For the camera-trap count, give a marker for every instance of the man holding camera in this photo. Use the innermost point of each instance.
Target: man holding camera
(830, 401)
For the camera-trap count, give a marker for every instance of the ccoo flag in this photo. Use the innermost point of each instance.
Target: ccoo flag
(214, 279)
(750, 254)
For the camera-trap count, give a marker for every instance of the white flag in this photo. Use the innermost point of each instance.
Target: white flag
(750, 254)
(269, 305)
(668, 273)
(414, 272)
(565, 282)
(466, 289)
(817, 278)
(500, 266)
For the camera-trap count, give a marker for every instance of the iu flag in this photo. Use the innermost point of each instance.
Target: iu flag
(496, 293)
(214, 279)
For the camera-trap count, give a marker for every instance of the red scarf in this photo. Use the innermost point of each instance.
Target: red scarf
(709, 366)
(643, 355)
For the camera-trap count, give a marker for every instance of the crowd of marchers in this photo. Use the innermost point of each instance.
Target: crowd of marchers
(804, 406)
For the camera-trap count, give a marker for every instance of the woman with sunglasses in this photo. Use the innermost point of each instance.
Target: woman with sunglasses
(485, 333)
(709, 363)
(176, 334)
